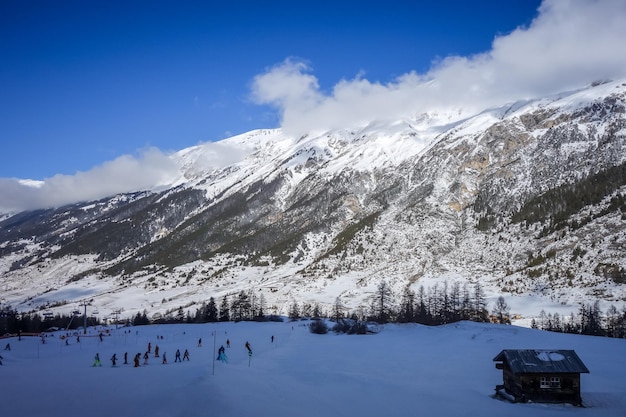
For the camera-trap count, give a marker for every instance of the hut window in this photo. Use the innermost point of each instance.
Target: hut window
(550, 382)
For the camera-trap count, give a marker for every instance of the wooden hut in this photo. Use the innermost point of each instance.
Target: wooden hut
(549, 376)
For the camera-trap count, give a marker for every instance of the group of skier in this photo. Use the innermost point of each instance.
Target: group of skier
(145, 356)
(177, 358)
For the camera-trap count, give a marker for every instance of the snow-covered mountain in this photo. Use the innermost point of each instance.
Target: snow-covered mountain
(527, 198)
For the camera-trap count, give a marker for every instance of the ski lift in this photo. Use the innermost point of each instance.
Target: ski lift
(48, 315)
(95, 312)
(76, 313)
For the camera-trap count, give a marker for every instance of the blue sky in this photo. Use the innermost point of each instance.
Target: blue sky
(96, 95)
(84, 82)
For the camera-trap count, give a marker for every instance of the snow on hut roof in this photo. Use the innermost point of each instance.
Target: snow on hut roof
(525, 361)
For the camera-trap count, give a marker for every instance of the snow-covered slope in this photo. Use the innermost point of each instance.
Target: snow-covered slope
(444, 371)
(527, 198)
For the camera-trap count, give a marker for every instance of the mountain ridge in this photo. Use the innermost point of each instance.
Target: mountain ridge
(417, 202)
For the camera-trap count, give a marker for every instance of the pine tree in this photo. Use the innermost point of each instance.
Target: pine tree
(141, 319)
(294, 311)
(479, 304)
(543, 320)
(317, 313)
(180, 315)
(241, 307)
(338, 310)
(306, 310)
(224, 310)
(407, 309)
(466, 303)
(211, 314)
(199, 317)
(434, 309)
(591, 319)
(444, 304)
(557, 326)
(455, 302)
(383, 302)
(612, 321)
(260, 312)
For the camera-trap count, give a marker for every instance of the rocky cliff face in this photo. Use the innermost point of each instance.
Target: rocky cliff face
(527, 198)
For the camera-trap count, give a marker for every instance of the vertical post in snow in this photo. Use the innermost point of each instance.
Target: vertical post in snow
(214, 337)
(84, 304)
(249, 357)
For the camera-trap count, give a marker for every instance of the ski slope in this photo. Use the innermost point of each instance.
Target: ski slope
(403, 370)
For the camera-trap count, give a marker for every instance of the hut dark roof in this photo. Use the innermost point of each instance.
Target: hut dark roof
(531, 361)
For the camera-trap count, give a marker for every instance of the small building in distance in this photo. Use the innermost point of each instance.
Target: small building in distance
(548, 376)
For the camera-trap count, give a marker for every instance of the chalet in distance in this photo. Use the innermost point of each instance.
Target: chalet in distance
(548, 376)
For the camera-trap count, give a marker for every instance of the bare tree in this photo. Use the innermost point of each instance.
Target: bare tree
(501, 311)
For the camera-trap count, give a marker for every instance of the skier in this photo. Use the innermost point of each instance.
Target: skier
(200, 342)
(227, 343)
(100, 336)
(222, 355)
(156, 351)
(125, 358)
(7, 347)
(145, 358)
(249, 348)
(1, 359)
(96, 361)
(272, 338)
(186, 355)
(114, 358)
(177, 359)
(164, 358)
(136, 360)
(149, 347)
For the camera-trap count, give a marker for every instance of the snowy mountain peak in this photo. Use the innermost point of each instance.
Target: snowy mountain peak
(527, 197)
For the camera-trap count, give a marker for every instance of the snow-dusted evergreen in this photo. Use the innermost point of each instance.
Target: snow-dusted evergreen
(527, 199)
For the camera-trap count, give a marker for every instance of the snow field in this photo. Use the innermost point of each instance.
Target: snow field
(403, 370)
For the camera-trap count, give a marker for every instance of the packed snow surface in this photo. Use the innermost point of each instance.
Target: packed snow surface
(402, 370)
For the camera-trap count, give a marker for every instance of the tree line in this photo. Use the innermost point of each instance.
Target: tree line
(439, 304)
(588, 320)
(435, 305)
(12, 321)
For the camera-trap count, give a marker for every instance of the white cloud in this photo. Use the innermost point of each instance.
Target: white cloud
(124, 174)
(209, 156)
(570, 44)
